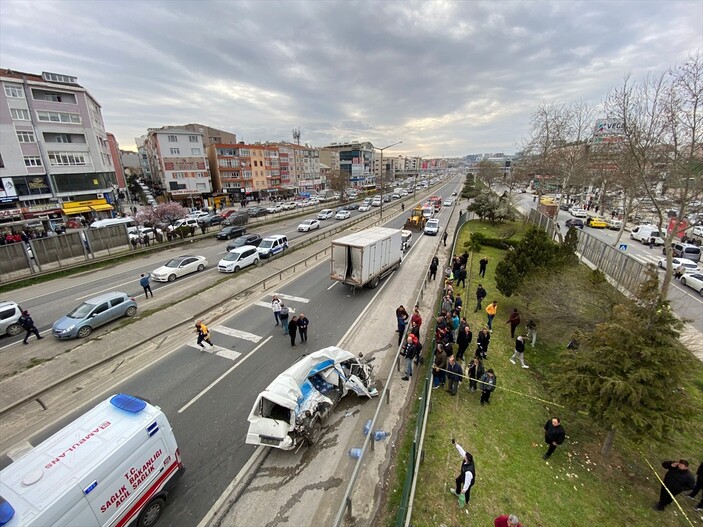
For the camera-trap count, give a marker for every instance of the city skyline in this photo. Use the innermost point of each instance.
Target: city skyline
(448, 79)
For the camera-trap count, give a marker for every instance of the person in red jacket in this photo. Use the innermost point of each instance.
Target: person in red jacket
(507, 521)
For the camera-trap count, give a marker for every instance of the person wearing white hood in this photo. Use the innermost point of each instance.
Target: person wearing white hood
(519, 352)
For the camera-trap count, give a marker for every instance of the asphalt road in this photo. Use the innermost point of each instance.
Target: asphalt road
(686, 302)
(207, 395)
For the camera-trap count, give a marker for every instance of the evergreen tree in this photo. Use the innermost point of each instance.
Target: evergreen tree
(627, 372)
(567, 249)
(536, 251)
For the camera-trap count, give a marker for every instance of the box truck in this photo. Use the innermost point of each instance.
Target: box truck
(114, 466)
(366, 257)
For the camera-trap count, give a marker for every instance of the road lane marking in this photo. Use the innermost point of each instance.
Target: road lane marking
(333, 284)
(267, 305)
(236, 333)
(228, 354)
(291, 298)
(225, 374)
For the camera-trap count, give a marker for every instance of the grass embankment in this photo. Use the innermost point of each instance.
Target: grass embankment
(576, 486)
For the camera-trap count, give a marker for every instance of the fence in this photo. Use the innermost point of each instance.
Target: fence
(623, 270)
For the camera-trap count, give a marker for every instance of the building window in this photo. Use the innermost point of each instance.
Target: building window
(172, 138)
(175, 151)
(61, 159)
(59, 117)
(193, 138)
(14, 91)
(18, 114)
(195, 151)
(32, 161)
(55, 77)
(26, 137)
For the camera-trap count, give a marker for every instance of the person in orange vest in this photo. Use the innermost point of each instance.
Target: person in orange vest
(491, 310)
(203, 334)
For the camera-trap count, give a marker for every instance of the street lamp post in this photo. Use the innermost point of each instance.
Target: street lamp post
(382, 149)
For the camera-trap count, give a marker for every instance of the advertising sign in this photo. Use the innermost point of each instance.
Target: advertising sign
(608, 131)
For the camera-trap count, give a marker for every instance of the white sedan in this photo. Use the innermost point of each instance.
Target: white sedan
(447, 202)
(308, 225)
(364, 208)
(689, 265)
(578, 213)
(274, 208)
(694, 281)
(342, 215)
(179, 266)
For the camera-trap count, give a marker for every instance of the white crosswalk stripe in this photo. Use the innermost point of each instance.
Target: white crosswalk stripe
(219, 351)
(236, 333)
(291, 298)
(267, 305)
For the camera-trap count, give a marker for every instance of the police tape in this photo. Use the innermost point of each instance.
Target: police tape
(667, 488)
(502, 388)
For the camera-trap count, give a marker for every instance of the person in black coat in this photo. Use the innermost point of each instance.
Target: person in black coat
(480, 295)
(677, 479)
(463, 340)
(475, 374)
(482, 341)
(554, 435)
(293, 330)
(698, 487)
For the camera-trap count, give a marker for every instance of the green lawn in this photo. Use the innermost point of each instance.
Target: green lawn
(577, 486)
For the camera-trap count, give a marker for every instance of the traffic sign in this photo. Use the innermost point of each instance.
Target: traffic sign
(622, 247)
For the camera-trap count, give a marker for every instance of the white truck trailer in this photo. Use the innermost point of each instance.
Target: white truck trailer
(366, 257)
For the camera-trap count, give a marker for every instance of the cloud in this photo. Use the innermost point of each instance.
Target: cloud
(446, 78)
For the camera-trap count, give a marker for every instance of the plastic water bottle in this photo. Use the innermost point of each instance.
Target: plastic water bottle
(355, 453)
(367, 427)
(380, 435)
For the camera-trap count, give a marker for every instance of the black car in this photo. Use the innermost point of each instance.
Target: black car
(230, 232)
(564, 206)
(574, 222)
(211, 220)
(249, 239)
(352, 206)
(240, 218)
(256, 211)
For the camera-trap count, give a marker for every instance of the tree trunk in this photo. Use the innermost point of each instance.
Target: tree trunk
(608, 443)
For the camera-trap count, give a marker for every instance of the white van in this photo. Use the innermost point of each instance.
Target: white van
(645, 233)
(114, 465)
(99, 224)
(272, 245)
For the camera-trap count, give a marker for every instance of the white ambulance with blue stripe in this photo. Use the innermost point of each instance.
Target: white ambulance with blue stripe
(112, 467)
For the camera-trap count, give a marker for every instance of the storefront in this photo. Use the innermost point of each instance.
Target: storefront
(90, 210)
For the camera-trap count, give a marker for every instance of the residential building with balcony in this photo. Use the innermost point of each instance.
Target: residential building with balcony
(55, 158)
(356, 163)
(178, 165)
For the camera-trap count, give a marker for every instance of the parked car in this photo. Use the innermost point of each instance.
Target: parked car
(574, 222)
(249, 239)
(432, 227)
(694, 281)
(689, 265)
(211, 219)
(238, 259)
(342, 215)
(614, 224)
(308, 225)
(288, 206)
(230, 232)
(240, 218)
(197, 214)
(10, 313)
(272, 209)
(185, 222)
(179, 266)
(325, 214)
(596, 223)
(93, 313)
(577, 212)
(255, 212)
(564, 206)
(139, 232)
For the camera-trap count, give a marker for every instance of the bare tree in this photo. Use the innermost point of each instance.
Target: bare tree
(661, 141)
(489, 172)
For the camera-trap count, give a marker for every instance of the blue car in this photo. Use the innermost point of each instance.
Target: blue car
(94, 313)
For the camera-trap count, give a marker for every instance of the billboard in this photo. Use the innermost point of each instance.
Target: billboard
(8, 192)
(608, 131)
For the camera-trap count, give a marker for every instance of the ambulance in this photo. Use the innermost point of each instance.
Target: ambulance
(112, 467)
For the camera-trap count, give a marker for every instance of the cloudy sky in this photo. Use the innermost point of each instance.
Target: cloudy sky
(446, 78)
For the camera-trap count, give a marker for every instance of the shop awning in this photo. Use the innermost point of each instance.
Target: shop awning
(80, 210)
(99, 208)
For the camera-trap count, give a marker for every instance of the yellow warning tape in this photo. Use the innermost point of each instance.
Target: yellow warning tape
(506, 389)
(667, 488)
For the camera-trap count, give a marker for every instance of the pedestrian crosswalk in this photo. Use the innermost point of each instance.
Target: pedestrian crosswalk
(222, 330)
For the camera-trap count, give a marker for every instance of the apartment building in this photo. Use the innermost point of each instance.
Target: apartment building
(55, 157)
(245, 171)
(356, 162)
(178, 165)
(211, 136)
